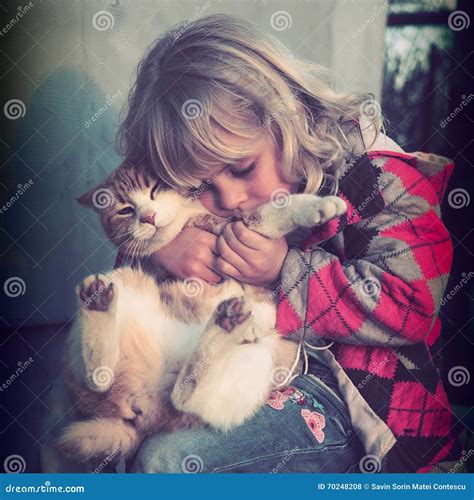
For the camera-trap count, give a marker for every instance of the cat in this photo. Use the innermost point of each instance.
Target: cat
(142, 355)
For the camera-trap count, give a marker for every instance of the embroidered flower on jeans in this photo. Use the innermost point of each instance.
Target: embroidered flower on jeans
(316, 422)
(277, 399)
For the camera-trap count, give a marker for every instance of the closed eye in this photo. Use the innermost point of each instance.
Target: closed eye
(126, 211)
(154, 191)
(244, 173)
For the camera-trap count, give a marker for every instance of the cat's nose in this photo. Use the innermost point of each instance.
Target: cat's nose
(148, 218)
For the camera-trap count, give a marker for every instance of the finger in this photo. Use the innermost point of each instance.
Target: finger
(229, 255)
(208, 239)
(210, 271)
(230, 239)
(247, 237)
(210, 275)
(224, 267)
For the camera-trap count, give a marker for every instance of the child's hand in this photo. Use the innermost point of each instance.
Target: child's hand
(190, 254)
(248, 256)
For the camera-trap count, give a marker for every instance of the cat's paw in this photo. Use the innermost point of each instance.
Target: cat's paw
(325, 209)
(232, 312)
(96, 293)
(235, 316)
(134, 408)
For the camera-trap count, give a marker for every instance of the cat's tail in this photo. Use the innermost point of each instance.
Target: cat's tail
(99, 438)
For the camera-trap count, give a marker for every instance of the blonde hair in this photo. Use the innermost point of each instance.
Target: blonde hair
(222, 71)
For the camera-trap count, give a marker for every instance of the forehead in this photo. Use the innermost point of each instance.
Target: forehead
(249, 149)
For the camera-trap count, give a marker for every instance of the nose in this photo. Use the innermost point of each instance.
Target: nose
(148, 218)
(231, 200)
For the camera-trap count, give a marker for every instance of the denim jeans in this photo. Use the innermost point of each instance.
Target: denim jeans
(305, 428)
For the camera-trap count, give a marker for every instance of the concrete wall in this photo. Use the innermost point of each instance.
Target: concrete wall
(63, 68)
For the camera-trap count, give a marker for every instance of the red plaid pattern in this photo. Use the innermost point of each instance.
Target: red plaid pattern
(372, 280)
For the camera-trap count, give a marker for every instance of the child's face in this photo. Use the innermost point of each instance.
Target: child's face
(244, 186)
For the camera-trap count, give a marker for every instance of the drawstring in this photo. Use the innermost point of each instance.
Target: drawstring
(312, 348)
(303, 345)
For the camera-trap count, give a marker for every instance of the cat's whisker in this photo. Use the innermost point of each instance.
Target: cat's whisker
(135, 249)
(128, 250)
(116, 233)
(120, 247)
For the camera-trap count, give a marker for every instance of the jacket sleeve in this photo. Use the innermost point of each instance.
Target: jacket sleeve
(380, 278)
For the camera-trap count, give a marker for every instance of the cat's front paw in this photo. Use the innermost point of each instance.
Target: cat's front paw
(96, 293)
(327, 208)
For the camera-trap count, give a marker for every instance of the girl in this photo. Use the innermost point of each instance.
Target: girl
(221, 106)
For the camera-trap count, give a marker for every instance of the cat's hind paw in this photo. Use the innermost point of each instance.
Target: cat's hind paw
(96, 292)
(234, 316)
(231, 313)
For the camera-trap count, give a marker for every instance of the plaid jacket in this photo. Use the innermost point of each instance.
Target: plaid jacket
(372, 281)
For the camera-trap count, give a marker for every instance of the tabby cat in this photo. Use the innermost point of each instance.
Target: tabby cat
(143, 355)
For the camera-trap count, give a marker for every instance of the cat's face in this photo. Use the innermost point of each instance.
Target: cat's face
(136, 209)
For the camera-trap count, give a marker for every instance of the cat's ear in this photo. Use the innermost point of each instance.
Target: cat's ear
(87, 199)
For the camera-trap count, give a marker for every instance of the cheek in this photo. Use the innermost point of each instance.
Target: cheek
(119, 229)
(207, 200)
(265, 187)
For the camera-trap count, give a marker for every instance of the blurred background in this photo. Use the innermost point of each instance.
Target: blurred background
(66, 68)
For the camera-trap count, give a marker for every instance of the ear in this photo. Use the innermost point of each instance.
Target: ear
(87, 199)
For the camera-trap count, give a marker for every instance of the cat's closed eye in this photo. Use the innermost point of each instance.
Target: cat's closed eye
(126, 211)
(154, 191)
